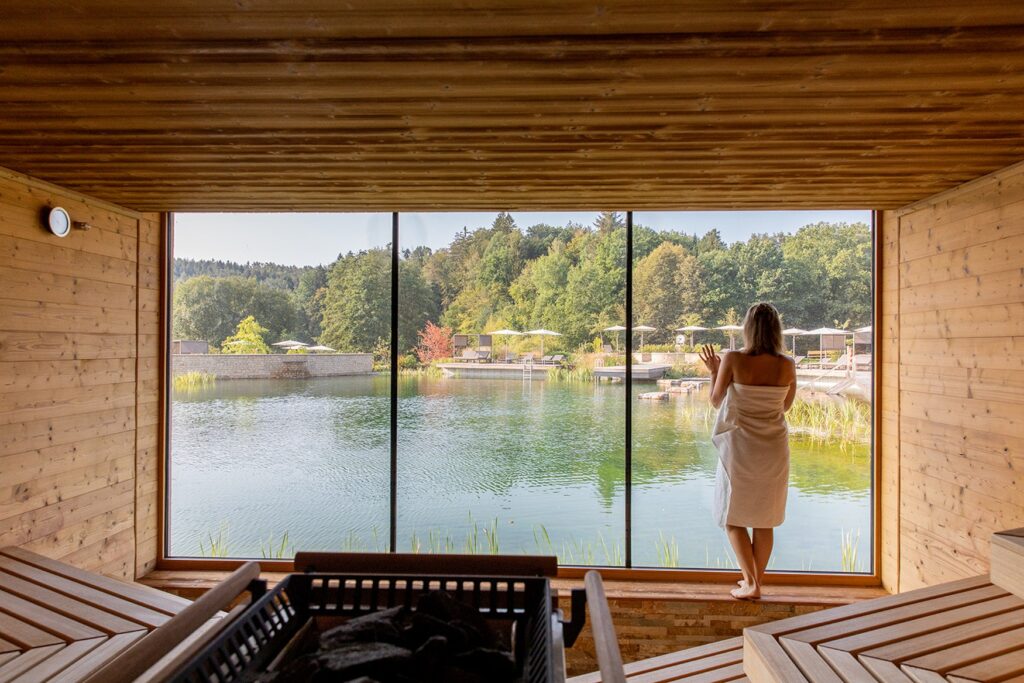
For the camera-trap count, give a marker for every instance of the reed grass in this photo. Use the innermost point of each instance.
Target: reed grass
(850, 543)
(844, 422)
(276, 551)
(575, 374)
(218, 544)
(668, 551)
(193, 381)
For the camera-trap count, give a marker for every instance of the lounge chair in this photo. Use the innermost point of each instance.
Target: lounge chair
(483, 356)
(557, 359)
(546, 360)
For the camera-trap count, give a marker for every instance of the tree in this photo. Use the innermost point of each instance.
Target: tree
(666, 287)
(435, 343)
(357, 304)
(503, 222)
(248, 338)
(609, 221)
(417, 303)
(207, 308)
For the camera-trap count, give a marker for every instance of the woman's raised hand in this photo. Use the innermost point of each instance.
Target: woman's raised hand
(711, 359)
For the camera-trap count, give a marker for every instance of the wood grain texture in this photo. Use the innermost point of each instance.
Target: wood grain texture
(73, 327)
(958, 428)
(503, 104)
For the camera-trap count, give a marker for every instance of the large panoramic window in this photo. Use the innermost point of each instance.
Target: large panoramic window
(506, 441)
(500, 399)
(279, 400)
(694, 275)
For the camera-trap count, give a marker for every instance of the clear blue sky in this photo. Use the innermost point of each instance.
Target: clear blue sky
(304, 239)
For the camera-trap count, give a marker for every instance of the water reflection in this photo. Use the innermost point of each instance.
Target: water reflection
(546, 460)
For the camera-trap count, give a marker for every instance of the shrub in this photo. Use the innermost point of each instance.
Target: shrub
(435, 343)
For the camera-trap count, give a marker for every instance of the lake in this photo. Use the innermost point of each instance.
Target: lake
(484, 465)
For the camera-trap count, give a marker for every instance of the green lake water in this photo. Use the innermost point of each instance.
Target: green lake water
(483, 464)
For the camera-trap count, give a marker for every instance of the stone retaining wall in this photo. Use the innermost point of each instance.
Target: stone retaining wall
(274, 366)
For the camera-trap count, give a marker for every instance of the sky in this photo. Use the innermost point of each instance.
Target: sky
(307, 239)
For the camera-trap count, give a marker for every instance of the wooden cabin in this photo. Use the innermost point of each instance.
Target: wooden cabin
(125, 112)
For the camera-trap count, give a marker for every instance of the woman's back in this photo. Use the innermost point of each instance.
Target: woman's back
(762, 369)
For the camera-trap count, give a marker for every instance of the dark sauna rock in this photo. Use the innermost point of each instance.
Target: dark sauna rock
(443, 606)
(496, 666)
(430, 658)
(423, 627)
(377, 660)
(376, 627)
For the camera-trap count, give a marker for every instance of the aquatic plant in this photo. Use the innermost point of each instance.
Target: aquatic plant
(193, 381)
(843, 422)
(276, 551)
(849, 548)
(668, 551)
(218, 544)
(575, 374)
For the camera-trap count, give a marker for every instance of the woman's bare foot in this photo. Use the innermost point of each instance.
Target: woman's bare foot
(746, 592)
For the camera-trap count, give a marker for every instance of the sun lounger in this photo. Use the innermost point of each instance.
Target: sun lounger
(546, 360)
(558, 359)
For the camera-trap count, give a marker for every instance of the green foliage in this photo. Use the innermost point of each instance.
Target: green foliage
(297, 351)
(667, 289)
(570, 279)
(407, 362)
(218, 545)
(845, 422)
(207, 308)
(357, 305)
(277, 551)
(248, 338)
(849, 544)
(193, 381)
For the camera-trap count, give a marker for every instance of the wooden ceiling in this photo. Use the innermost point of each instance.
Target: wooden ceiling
(380, 104)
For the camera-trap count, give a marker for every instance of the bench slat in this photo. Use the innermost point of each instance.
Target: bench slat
(25, 634)
(84, 593)
(57, 662)
(143, 595)
(967, 653)
(68, 606)
(99, 656)
(949, 637)
(27, 660)
(48, 620)
(926, 624)
(875, 620)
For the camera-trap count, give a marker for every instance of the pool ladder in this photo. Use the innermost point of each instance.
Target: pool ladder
(528, 370)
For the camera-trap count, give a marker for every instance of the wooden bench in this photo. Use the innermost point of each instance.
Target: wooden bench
(959, 632)
(715, 663)
(61, 623)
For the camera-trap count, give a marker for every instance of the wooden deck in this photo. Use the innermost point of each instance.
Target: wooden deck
(60, 623)
(496, 370)
(645, 372)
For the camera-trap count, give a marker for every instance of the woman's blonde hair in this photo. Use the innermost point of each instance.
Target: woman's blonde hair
(762, 330)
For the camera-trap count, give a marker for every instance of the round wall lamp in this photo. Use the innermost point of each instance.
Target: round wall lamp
(59, 221)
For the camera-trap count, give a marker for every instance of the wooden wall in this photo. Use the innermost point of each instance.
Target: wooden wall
(955, 318)
(79, 380)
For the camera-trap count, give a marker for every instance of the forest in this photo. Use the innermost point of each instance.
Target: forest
(569, 279)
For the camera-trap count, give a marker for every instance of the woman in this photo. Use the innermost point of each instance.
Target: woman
(752, 388)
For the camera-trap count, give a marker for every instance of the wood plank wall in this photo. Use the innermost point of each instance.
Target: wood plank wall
(958, 329)
(79, 380)
(887, 356)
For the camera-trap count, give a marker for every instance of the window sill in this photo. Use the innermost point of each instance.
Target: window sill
(193, 583)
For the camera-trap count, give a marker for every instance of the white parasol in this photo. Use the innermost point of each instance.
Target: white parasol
(543, 333)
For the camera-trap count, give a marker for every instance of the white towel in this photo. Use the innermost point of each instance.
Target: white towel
(752, 439)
